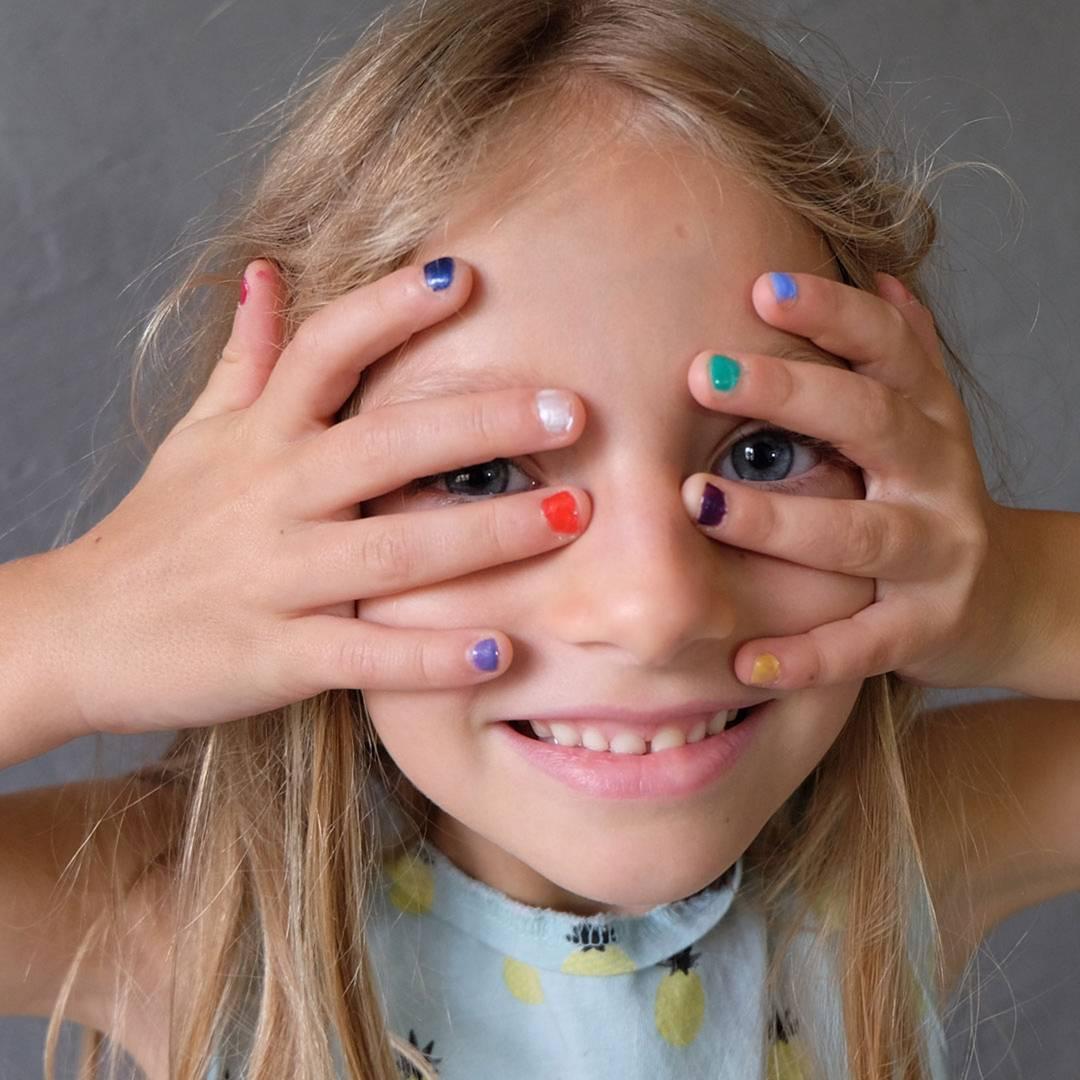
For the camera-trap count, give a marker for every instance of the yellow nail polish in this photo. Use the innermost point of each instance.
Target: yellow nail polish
(766, 670)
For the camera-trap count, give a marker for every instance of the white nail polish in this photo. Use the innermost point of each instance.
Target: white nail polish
(555, 410)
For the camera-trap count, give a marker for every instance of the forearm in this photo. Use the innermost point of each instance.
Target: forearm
(36, 714)
(1041, 550)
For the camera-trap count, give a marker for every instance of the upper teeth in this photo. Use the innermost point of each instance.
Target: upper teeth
(630, 742)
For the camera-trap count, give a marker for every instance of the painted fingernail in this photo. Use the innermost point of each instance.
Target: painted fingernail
(561, 513)
(485, 654)
(439, 273)
(766, 670)
(784, 288)
(556, 411)
(713, 505)
(723, 372)
(243, 289)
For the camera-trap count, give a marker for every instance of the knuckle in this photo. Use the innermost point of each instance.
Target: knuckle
(356, 659)
(379, 439)
(780, 384)
(485, 420)
(232, 353)
(863, 540)
(423, 662)
(385, 550)
(498, 530)
(878, 412)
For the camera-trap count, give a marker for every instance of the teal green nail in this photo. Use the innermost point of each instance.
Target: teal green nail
(724, 372)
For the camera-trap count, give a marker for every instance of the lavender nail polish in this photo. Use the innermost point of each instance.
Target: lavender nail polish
(485, 654)
(713, 505)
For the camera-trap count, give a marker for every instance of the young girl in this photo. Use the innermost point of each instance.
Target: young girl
(542, 564)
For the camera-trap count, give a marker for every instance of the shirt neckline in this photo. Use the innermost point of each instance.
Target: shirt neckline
(426, 883)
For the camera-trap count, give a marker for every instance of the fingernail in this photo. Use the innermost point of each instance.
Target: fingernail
(784, 288)
(713, 505)
(243, 289)
(723, 372)
(561, 513)
(556, 411)
(766, 670)
(485, 654)
(439, 273)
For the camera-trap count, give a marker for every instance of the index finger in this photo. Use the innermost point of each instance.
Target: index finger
(321, 365)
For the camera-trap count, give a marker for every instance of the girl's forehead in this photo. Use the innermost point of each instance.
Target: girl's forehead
(638, 260)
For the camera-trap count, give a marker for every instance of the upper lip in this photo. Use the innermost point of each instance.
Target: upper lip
(641, 717)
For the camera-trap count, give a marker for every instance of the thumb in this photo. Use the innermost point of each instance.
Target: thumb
(252, 350)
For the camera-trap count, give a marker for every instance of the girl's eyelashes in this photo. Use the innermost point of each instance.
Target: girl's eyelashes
(759, 457)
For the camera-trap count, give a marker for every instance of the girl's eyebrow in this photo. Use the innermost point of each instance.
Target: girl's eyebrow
(440, 381)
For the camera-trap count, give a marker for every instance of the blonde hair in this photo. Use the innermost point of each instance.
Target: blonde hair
(269, 846)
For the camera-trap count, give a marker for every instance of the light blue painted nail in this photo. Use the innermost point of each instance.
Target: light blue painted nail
(784, 288)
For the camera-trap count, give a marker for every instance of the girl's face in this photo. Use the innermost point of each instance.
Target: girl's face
(608, 281)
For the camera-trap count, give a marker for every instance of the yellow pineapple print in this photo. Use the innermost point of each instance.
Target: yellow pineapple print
(680, 1000)
(599, 954)
(786, 1059)
(523, 981)
(412, 887)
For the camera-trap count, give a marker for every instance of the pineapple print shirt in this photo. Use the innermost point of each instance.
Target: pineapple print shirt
(487, 988)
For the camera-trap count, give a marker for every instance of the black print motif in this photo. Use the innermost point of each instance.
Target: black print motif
(783, 1028)
(406, 1068)
(592, 937)
(682, 961)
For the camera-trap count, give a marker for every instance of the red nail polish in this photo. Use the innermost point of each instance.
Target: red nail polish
(243, 288)
(561, 513)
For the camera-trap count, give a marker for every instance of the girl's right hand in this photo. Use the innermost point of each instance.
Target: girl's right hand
(225, 583)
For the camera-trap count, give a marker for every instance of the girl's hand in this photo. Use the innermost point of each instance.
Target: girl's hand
(225, 583)
(927, 532)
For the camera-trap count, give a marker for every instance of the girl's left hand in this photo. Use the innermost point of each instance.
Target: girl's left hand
(927, 532)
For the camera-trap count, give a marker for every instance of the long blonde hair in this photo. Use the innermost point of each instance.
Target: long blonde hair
(268, 844)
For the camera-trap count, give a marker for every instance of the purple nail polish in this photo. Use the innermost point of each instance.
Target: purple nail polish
(713, 505)
(485, 654)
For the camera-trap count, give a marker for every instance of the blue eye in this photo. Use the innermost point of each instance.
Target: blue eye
(482, 481)
(766, 456)
(760, 457)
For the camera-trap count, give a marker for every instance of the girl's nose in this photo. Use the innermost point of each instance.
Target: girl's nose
(643, 578)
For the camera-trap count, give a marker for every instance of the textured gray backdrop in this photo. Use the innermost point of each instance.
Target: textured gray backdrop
(117, 123)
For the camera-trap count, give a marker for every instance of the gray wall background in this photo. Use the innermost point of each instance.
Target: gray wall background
(117, 123)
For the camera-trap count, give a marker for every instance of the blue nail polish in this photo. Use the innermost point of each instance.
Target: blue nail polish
(713, 505)
(439, 273)
(784, 288)
(485, 654)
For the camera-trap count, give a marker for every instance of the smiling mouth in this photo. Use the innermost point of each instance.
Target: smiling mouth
(523, 727)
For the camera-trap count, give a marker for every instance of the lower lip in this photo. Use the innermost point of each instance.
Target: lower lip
(665, 774)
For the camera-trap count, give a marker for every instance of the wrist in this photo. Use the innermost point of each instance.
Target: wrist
(38, 706)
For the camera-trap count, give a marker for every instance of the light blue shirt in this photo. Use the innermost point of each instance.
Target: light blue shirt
(492, 989)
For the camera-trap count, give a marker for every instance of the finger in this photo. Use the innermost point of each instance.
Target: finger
(321, 365)
(854, 324)
(253, 347)
(857, 537)
(872, 641)
(331, 652)
(392, 553)
(398, 443)
(918, 317)
(870, 423)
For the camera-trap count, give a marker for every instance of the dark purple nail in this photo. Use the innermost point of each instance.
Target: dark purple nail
(713, 506)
